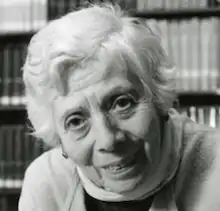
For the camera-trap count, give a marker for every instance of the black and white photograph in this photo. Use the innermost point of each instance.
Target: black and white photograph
(109, 105)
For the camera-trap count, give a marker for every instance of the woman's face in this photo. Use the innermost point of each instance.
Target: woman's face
(109, 127)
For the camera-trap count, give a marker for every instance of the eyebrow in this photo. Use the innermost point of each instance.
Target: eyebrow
(75, 108)
(113, 93)
(110, 95)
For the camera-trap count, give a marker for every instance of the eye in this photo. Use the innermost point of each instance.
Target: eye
(124, 103)
(75, 122)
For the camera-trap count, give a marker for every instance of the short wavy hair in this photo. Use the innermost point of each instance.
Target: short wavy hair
(75, 41)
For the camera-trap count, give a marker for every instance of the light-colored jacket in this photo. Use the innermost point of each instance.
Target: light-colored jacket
(52, 183)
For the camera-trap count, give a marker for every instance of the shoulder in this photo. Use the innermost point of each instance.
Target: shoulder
(47, 181)
(194, 136)
(50, 164)
(200, 143)
(199, 169)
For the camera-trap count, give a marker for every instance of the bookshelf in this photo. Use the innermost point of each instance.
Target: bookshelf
(187, 23)
(177, 14)
(22, 16)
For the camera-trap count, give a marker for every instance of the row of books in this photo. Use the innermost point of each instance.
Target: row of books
(9, 203)
(31, 15)
(208, 115)
(194, 47)
(22, 16)
(18, 149)
(57, 8)
(12, 56)
(172, 4)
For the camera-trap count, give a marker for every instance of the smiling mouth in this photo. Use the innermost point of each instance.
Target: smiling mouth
(127, 168)
(122, 165)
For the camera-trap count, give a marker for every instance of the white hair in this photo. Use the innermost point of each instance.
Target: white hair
(77, 40)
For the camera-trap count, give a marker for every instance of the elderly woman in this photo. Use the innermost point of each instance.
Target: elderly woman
(100, 91)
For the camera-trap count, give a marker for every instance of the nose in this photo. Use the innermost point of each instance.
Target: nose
(107, 134)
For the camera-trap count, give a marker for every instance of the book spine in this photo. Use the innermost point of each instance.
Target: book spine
(11, 72)
(205, 27)
(201, 119)
(214, 50)
(5, 100)
(23, 52)
(15, 75)
(1, 73)
(195, 53)
(17, 147)
(206, 115)
(212, 116)
(9, 154)
(184, 61)
(192, 111)
(218, 117)
(3, 203)
(2, 158)
(141, 5)
(23, 150)
(175, 40)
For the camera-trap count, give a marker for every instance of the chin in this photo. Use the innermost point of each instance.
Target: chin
(126, 178)
(123, 186)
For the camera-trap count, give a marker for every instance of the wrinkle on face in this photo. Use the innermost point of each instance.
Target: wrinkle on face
(88, 90)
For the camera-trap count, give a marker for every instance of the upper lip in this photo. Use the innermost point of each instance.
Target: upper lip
(115, 163)
(119, 162)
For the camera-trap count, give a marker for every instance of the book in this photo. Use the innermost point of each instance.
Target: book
(4, 203)
(17, 151)
(174, 4)
(2, 158)
(1, 71)
(5, 99)
(208, 115)
(213, 56)
(15, 57)
(204, 73)
(22, 15)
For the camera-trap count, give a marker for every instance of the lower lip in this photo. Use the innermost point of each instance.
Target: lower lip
(130, 170)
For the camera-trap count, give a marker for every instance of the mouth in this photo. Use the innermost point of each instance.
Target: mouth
(120, 165)
(126, 168)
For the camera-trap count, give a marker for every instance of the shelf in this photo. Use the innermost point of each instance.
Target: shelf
(199, 99)
(13, 116)
(12, 102)
(159, 14)
(10, 191)
(177, 14)
(18, 37)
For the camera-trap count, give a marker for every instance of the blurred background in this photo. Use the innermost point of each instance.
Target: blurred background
(191, 37)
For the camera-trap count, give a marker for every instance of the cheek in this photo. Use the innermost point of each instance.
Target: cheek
(141, 123)
(80, 151)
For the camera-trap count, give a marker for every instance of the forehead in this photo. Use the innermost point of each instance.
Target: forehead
(100, 81)
(106, 69)
(91, 85)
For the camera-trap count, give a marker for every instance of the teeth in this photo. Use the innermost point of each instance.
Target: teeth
(118, 167)
(115, 168)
